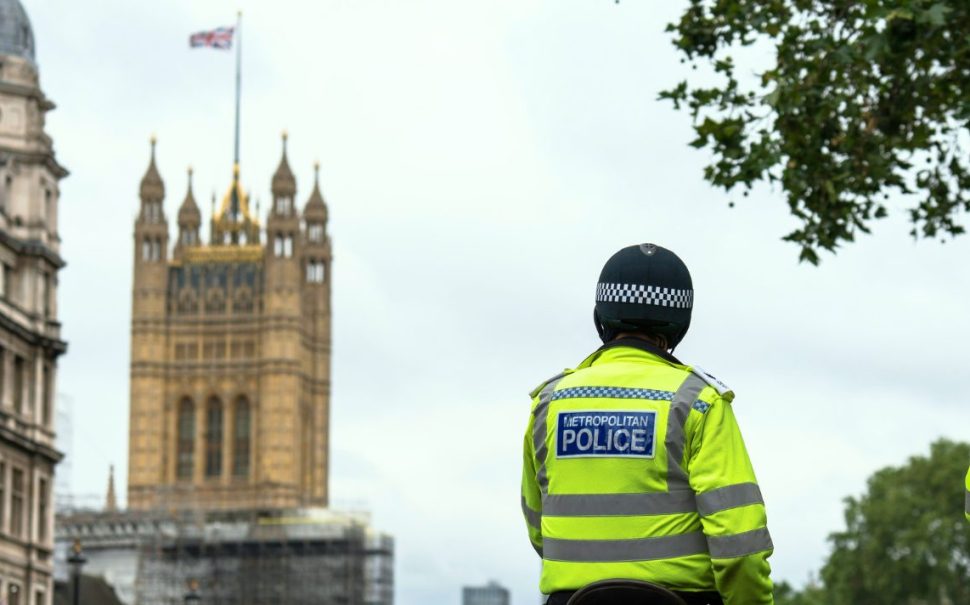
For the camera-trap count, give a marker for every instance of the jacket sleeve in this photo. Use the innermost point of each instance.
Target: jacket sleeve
(531, 497)
(731, 507)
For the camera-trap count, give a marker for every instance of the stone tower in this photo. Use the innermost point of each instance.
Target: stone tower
(230, 352)
(30, 338)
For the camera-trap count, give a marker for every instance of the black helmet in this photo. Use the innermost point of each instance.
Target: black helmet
(644, 288)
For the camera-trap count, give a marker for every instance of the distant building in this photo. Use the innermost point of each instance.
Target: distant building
(299, 557)
(230, 417)
(230, 352)
(30, 333)
(492, 593)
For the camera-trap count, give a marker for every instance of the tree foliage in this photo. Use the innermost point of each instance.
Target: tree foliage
(865, 100)
(906, 541)
(810, 595)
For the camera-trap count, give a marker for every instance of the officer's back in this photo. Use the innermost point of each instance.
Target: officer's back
(634, 466)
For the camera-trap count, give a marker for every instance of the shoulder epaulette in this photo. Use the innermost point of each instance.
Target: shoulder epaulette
(535, 392)
(722, 389)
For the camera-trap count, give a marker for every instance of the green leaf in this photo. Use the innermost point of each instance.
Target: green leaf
(935, 15)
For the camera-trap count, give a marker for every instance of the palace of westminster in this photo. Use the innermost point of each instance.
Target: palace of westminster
(229, 390)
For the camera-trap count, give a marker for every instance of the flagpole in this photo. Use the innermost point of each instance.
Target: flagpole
(238, 37)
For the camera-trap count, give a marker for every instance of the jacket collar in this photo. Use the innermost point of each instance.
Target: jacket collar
(631, 343)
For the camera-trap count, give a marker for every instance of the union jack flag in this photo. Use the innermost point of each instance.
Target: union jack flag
(221, 37)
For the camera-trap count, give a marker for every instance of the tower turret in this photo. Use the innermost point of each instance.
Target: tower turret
(148, 310)
(315, 258)
(283, 224)
(189, 220)
(151, 227)
(316, 245)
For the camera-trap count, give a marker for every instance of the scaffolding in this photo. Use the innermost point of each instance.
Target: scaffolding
(304, 557)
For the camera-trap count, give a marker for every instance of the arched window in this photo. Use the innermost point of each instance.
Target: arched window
(241, 438)
(213, 438)
(186, 439)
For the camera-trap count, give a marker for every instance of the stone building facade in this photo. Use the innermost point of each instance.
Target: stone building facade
(230, 352)
(30, 339)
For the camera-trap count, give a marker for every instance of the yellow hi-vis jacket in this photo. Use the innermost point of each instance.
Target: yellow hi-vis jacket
(966, 498)
(634, 467)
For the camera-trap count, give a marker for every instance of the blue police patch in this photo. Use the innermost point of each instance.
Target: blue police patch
(606, 433)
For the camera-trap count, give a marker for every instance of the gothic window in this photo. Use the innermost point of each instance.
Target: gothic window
(315, 232)
(241, 438)
(47, 384)
(42, 508)
(213, 438)
(284, 205)
(288, 246)
(187, 301)
(45, 293)
(243, 300)
(186, 439)
(17, 502)
(215, 301)
(146, 249)
(19, 381)
(214, 349)
(315, 272)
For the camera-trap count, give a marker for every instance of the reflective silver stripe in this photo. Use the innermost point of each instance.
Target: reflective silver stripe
(539, 431)
(608, 505)
(538, 549)
(532, 517)
(731, 496)
(642, 549)
(679, 409)
(740, 545)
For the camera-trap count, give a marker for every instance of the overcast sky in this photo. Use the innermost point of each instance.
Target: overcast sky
(481, 160)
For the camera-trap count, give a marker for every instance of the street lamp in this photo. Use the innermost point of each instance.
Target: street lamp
(76, 561)
(192, 596)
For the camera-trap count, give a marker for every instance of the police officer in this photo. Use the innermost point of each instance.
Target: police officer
(634, 466)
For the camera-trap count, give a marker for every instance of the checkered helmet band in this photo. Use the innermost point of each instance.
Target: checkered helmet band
(644, 295)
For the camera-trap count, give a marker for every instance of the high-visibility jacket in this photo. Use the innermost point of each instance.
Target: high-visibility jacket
(634, 467)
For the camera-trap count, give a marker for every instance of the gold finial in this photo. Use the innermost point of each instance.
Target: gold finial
(193, 584)
(285, 135)
(153, 139)
(316, 172)
(235, 170)
(76, 547)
